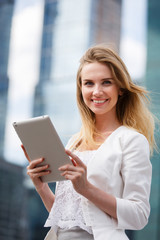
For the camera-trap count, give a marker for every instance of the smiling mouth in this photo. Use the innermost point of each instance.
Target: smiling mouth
(99, 101)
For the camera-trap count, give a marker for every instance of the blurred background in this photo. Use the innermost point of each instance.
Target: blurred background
(41, 42)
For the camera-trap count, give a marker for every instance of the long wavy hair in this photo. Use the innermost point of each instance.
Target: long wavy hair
(132, 108)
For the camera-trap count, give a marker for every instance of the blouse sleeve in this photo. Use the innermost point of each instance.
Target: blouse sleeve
(133, 208)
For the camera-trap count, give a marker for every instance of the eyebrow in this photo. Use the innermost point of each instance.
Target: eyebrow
(103, 79)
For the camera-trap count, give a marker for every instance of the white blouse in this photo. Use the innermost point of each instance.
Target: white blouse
(67, 211)
(120, 167)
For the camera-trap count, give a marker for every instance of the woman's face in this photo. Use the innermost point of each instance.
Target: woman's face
(99, 90)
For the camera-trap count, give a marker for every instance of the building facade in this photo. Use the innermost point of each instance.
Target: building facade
(13, 194)
(69, 28)
(6, 12)
(13, 202)
(50, 13)
(152, 230)
(105, 22)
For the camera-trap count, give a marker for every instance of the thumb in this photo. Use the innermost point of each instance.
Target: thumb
(75, 158)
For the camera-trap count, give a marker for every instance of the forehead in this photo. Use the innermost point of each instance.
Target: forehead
(95, 70)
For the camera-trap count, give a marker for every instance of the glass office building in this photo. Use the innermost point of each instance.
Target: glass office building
(70, 27)
(13, 195)
(152, 230)
(6, 12)
(13, 202)
(50, 13)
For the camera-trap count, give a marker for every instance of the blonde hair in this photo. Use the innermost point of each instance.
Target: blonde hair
(132, 107)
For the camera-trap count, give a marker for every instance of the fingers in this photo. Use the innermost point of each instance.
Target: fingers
(75, 158)
(73, 162)
(34, 171)
(37, 169)
(35, 162)
(70, 170)
(38, 172)
(25, 153)
(77, 174)
(78, 168)
(69, 175)
(67, 167)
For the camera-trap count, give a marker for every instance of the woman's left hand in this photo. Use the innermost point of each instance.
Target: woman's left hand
(78, 175)
(76, 172)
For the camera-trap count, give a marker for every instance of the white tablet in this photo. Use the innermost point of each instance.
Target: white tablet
(40, 139)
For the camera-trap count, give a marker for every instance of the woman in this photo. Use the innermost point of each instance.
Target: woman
(109, 181)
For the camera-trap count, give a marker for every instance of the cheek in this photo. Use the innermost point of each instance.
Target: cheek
(86, 97)
(85, 93)
(114, 92)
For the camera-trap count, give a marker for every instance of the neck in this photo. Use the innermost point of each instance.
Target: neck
(106, 124)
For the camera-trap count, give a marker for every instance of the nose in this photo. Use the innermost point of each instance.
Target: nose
(98, 91)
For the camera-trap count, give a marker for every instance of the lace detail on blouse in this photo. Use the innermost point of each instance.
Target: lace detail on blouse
(67, 208)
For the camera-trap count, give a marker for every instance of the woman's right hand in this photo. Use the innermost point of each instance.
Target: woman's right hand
(35, 171)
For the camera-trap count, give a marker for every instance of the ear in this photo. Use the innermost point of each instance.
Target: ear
(120, 93)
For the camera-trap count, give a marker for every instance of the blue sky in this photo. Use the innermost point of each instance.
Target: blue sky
(24, 59)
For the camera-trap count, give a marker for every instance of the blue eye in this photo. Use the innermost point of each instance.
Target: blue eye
(107, 82)
(88, 83)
